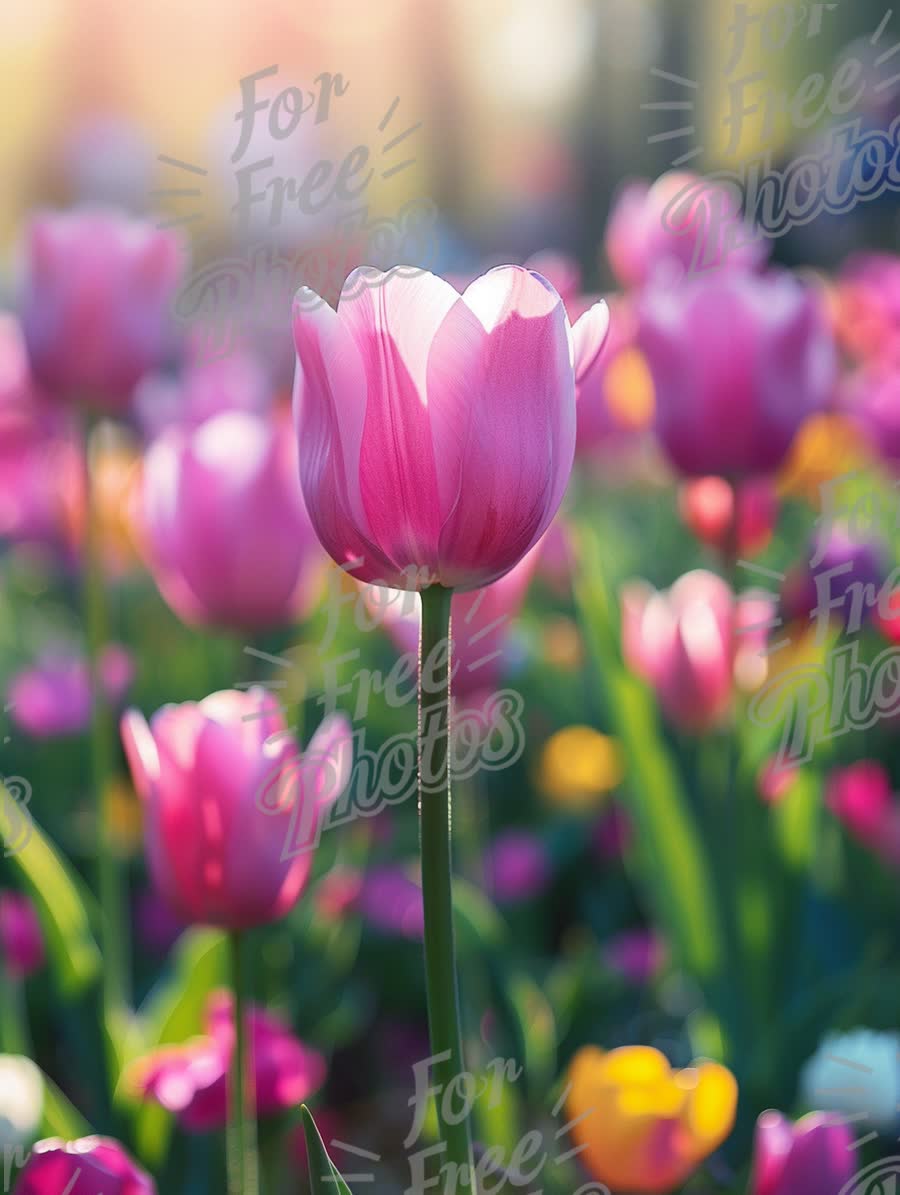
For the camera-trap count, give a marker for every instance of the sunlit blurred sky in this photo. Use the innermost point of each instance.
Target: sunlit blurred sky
(530, 110)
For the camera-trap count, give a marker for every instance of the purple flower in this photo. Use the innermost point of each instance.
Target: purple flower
(517, 866)
(815, 1156)
(54, 697)
(739, 361)
(391, 901)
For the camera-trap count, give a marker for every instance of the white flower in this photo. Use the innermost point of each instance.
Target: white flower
(856, 1074)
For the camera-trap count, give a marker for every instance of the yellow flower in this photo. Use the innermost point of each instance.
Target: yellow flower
(825, 447)
(630, 396)
(643, 1126)
(578, 767)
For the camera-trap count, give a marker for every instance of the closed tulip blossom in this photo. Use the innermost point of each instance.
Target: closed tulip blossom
(868, 307)
(707, 507)
(91, 1166)
(437, 430)
(693, 643)
(739, 361)
(212, 776)
(191, 1080)
(862, 798)
(642, 1126)
(228, 539)
(97, 292)
(814, 1156)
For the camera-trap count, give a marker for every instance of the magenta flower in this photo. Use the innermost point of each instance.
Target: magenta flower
(212, 776)
(873, 401)
(517, 867)
(437, 430)
(691, 642)
(41, 469)
(191, 1080)
(228, 537)
(682, 222)
(738, 361)
(95, 305)
(861, 796)
(91, 1166)
(21, 936)
(612, 834)
(868, 307)
(636, 954)
(54, 696)
(391, 901)
(707, 506)
(815, 1156)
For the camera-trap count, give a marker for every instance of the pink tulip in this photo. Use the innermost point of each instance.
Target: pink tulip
(228, 538)
(53, 697)
(868, 307)
(738, 361)
(41, 469)
(191, 1080)
(682, 222)
(707, 504)
(91, 1166)
(211, 776)
(691, 642)
(482, 621)
(95, 306)
(21, 936)
(815, 1156)
(437, 431)
(861, 796)
(774, 780)
(873, 401)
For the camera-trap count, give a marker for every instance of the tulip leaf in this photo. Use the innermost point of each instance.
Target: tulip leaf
(61, 904)
(673, 866)
(172, 1013)
(324, 1178)
(60, 1117)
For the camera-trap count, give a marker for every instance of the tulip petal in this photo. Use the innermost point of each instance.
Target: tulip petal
(772, 1144)
(140, 749)
(394, 318)
(589, 335)
(521, 437)
(330, 395)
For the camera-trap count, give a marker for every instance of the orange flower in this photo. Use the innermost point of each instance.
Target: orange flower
(644, 1127)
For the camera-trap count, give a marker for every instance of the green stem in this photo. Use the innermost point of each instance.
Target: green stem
(243, 1169)
(437, 892)
(14, 1036)
(110, 885)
